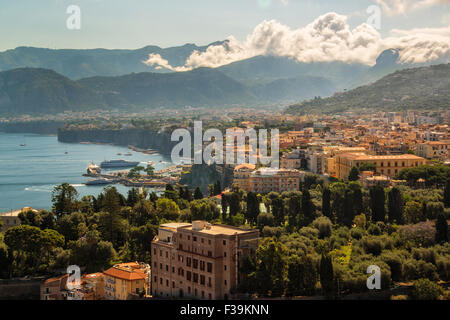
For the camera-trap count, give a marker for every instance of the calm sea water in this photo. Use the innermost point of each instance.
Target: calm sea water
(29, 173)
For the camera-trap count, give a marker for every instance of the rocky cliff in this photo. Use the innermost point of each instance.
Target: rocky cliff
(137, 137)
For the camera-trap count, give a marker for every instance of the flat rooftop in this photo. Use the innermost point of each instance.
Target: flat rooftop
(174, 225)
(220, 229)
(363, 156)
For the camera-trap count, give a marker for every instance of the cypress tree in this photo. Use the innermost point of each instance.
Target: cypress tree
(252, 207)
(326, 274)
(441, 228)
(395, 206)
(326, 202)
(354, 174)
(447, 194)
(217, 188)
(377, 200)
(198, 194)
(307, 208)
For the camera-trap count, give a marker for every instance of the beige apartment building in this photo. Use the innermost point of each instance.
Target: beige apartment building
(265, 180)
(388, 165)
(199, 260)
(433, 150)
(242, 174)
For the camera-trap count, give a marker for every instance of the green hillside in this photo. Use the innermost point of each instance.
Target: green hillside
(418, 88)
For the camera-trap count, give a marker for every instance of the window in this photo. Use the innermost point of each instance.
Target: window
(167, 254)
(224, 242)
(225, 282)
(167, 283)
(195, 277)
(209, 282)
(160, 266)
(225, 267)
(224, 253)
(188, 275)
(209, 267)
(173, 269)
(202, 240)
(202, 280)
(202, 265)
(194, 238)
(173, 284)
(195, 263)
(160, 253)
(167, 268)
(188, 262)
(209, 242)
(209, 254)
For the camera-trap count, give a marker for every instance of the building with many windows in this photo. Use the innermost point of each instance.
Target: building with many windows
(433, 150)
(199, 260)
(388, 165)
(265, 180)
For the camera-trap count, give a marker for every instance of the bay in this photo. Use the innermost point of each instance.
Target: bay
(29, 173)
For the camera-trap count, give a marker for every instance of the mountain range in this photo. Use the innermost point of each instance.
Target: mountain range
(39, 80)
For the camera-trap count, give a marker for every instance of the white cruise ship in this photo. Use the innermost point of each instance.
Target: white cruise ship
(118, 164)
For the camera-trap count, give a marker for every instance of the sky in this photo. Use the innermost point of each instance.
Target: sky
(133, 24)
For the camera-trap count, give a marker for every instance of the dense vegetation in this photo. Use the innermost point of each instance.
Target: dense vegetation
(318, 240)
(427, 87)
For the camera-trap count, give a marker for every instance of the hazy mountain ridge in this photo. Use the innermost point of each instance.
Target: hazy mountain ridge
(28, 90)
(415, 88)
(82, 63)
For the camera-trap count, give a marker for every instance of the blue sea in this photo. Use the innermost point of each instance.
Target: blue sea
(29, 173)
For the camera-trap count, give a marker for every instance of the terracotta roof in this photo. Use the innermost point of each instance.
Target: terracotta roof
(246, 166)
(56, 279)
(126, 272)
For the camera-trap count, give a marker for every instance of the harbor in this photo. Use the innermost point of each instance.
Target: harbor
(158, 180)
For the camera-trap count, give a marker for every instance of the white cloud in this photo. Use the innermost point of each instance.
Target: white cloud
(328, 38)
(397, 7)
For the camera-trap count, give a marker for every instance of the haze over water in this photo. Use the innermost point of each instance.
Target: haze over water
(29, 173)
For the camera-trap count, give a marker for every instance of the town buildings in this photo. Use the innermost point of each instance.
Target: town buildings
(92, 287)
(127, 281)
(433, 150)
(199, 260)
(54, 288)
(265, 180)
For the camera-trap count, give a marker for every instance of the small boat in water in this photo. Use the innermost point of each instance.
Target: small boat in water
(93, 170)
(129, 154)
